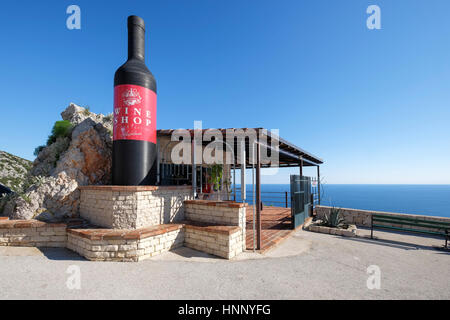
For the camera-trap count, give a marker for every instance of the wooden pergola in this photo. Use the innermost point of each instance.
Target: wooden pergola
(289, 155)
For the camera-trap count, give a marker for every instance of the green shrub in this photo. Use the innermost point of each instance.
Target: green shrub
(37, 150)
(61, 129)
(216, 176)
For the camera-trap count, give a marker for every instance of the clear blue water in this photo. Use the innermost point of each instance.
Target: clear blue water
(431, 200)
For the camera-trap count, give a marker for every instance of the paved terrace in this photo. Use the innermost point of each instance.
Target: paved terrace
(306, 265)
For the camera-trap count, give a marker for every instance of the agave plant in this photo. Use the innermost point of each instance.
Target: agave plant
(334, 219)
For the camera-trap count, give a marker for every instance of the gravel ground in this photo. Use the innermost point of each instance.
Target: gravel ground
(305, 266)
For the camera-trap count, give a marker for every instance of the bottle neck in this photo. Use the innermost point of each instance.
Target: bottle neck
(136, 42)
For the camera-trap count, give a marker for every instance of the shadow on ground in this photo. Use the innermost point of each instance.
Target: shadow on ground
(61, 254)
(395, 243)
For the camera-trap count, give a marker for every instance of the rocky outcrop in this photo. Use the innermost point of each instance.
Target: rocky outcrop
(13, 170)
(81, 158)
(51, 200)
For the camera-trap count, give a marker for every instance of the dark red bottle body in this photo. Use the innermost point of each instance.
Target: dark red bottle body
(134, 138)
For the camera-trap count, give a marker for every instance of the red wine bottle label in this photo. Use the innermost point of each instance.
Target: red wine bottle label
(134, 113)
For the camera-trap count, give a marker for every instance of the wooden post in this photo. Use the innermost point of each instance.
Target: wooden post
(301, 168)
(243, 167)
(286, 196)
(201, 181)
(194, 169)
(318, 183)
(258, 197)
(158, 160)
(234, 180)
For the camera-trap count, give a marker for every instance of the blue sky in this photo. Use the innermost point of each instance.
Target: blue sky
(374, 104)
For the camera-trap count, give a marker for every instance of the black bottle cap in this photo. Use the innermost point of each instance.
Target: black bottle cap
(136, 21)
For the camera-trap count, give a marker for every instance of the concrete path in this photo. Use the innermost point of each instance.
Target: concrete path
(305, 266)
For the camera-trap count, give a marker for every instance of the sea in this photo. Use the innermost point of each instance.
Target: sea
(430, 200)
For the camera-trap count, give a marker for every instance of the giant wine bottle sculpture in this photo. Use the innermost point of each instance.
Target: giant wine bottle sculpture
(134, 139)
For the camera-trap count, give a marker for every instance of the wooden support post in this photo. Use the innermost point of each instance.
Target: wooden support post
(234, 180)
(258, 197)
(286, 198)
(301, 168)
(158, 160)
(243, 167)
(201, 182)
(194, 169)
(318, 183)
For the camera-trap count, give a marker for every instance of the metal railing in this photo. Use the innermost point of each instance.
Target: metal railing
(268, 198)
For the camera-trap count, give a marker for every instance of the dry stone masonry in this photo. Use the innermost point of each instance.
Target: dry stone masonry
(225, 237)
(222, 241)
(32, 233)
(225, 213)
(132, 207)
(129, 245)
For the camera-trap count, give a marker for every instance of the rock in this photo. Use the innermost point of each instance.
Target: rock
(76, 114)
(13, 170)
(48, 157)
(85, 125)
(81, 159)
(88, 159)
(53, 199)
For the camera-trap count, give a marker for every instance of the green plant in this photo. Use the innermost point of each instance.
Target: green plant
(216, 176)
(61, 129)
(334, 219)
(37, 150)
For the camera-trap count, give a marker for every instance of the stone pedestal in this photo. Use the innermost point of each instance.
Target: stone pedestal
(133, 207)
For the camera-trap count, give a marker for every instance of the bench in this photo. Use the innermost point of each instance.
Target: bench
(407, 224)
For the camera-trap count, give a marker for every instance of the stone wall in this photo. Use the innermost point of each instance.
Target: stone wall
(32, 233)
(222, 241)
(132, 245)
(133, 207)
(363, 217)
(225, 213)
(215, 227)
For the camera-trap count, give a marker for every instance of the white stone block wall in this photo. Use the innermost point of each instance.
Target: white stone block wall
(223, 245)
(221, 213)
(97, 207)
(133, 207)
(123, 245)
(32, 233)
(125, 250)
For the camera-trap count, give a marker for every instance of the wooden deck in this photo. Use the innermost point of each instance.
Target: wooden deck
(276, 225)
